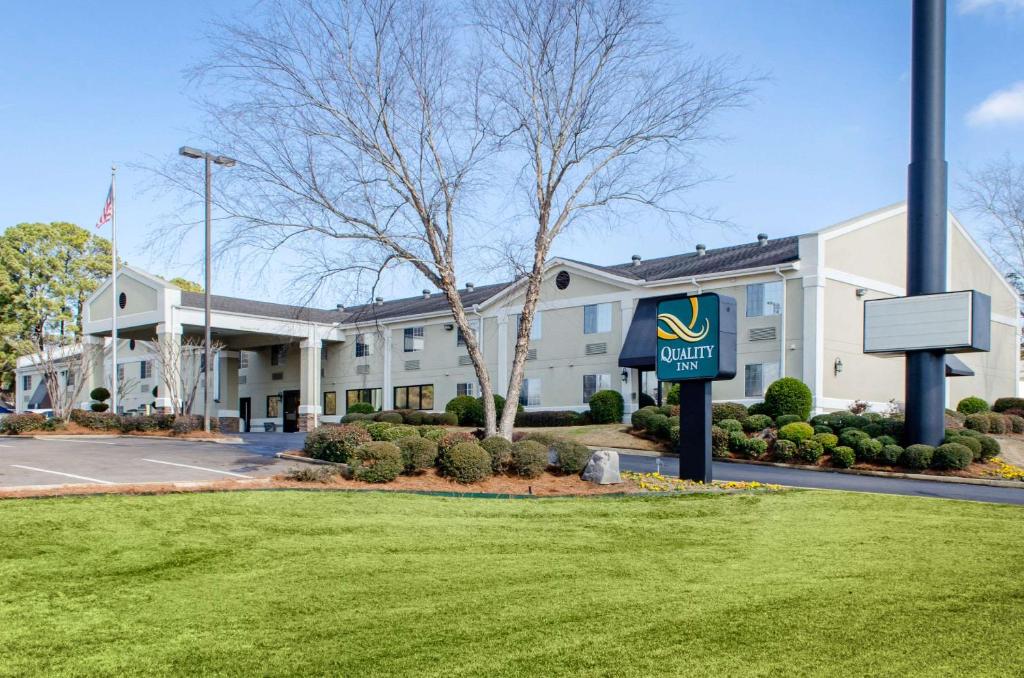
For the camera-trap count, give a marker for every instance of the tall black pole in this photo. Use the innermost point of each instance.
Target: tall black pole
(207, 348)
(926, 211)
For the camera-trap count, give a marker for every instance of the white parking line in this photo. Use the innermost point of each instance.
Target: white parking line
(198, 468)
(67, 475)
(87, 440)
(7, 446)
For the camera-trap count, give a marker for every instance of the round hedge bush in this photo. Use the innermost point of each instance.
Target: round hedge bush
(890, 454)
(397, 432)
(979, 422)
(788, 396)
(720, 411)
(361, 408)
(500, 450)
(851, 436)
(661, 426)
(466, 463)
(641, 419)
(868, 449)
(997, 423)
(970, 442)
(390, 417)
(99, 407)
(809, 450)
(917, 456)
(1004, 404)
(418, 454)
(570, 456)
(737, 442)
(843, 457)
(434, 433)
(719, 441)
(886, 440)
(785, 449)
(757, 408)
(377, 429)
(335, 443)
(756, 447)
(952, 456)
(829, 441)
(458, 406)
(756, 423)
(972, 405)
(732, 425)
(989, 447)
(450, 440)
(1016, 423)
(99, 393)
(529, 458)
(606, 407)
(797, 431)
(787, 419)
(376, 462)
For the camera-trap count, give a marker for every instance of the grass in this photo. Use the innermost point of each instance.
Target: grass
(364, 584)
(600, 435)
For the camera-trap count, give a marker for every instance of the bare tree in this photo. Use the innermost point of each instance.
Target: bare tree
(65, 369)
(180, 362)
(126, 386)
(372, 124)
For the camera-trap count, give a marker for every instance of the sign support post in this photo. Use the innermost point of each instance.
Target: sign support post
(696, 345)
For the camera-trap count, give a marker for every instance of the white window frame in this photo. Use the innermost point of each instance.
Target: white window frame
(474, 327)
(530, 393)
(600, 382)
(602, 318)
(766, 374)
(413, 333)
(466, 388)
(760, 303)
(363, 348)
(536, 329)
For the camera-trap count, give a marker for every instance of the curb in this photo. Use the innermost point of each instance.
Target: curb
(97, 436)
(100, 436)
(308, 460)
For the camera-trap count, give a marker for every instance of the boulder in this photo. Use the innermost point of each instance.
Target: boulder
(603, 468)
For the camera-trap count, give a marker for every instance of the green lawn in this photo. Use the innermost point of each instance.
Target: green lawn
(258, 583)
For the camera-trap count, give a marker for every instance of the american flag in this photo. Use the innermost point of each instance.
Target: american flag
(108, 208)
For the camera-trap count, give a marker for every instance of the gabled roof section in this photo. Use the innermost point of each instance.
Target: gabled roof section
(412, 306)
(260, 308)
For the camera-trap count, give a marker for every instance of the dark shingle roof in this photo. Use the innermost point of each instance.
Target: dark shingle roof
(721, 260)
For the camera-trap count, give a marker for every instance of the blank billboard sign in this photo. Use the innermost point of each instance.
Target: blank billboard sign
(957, 322)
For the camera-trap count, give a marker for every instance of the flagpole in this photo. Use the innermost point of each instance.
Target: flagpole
(113, 287)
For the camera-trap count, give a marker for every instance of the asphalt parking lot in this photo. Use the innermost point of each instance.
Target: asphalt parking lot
(112, 461)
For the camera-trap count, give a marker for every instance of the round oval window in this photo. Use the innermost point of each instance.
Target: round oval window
(562, 280)
(131, 345)
(122, 300)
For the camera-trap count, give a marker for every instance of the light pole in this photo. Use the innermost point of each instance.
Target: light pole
(224, 161)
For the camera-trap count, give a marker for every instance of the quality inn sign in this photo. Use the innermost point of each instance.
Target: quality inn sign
(697, 338)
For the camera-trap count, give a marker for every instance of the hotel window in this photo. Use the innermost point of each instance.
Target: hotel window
(535, 329)
(413, 339)
(362, 346)
(278, 354)
(145, 369)
(243, 360)
(466, 389)
(273, 407)
(363, 395)
(474, 327)
(764, 299)
(330, 403)
(757, 377)
(26, 382)
(120, 373)
(592, 383)
(69, 378)
(530, 393)
(597, 318)
(419, 397)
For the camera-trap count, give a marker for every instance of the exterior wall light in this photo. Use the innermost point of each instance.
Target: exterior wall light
(861, 292)
(837, 366)
(625, 375)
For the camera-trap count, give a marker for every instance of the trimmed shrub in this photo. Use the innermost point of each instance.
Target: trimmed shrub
(787, 419)
(843, 457)
(183, 424)
(952, 456)
(840, 420)
(970, 442)
(415, 417)
(99, 407)
(641, 419)
(22, 423)
(868, 449)
(548, 418)
(756, 423)
(785, 449)
(142, 423)
(874, 429)
(788, 396)
(720, 411)
(389, 417)
(99, 393)
(851, 436)
(828, 441)
(890, 454)
(376, 462)
(719, 441)
(917, 456)
(646, 400)
(418, 454)
(996, 423)
(821, 428)
(873, 417)
(334, 443)
(98, 421)
(466, 463)
(821, 420)
(673, 436)
(672, 397)
(972, 405)
(546, 439)
(473, 414)
(1004, 404)
(797, 431)
(661, 426)
(886, 440)
(458, 406)
(737, 442)
(989, 447)
(978, 422)
(570, 456)
(1016, 423)
(757, 408)
(529, 458)
(450, 440)
(434, 433)
(500, 450)
(360, 408)
(756, 447)
(351, 418)
(809, 450)
(397, 432)
(606, 407)
(377, 429)
(442, 419)
(731, 425)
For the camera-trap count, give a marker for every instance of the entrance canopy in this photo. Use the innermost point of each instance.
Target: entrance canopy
(641, 344)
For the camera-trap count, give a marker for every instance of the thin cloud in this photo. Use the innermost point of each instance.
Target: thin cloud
(1003, 106)
(969, 6)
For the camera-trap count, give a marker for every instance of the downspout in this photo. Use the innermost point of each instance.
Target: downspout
(782, 326)
(693, 281)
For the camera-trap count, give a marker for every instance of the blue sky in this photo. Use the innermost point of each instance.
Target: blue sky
(824, 139)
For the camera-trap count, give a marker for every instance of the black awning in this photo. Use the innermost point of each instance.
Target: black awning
(957, 368)
(641, 344)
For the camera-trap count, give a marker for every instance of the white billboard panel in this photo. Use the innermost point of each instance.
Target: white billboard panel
(957, 321)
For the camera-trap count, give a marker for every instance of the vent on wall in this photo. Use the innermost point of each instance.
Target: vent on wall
(242, 379)
(762, 334)
(531, 354)
(362, 369)
(277, 376)
(597, 349)
(412, 365)
(465, 360)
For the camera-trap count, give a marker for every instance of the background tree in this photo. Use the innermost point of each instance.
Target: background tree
(48, 270)
(186, 285)
(365, 129)
(65, 370)
(179, 363)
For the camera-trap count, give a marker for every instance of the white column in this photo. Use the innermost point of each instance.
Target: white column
(501, 385)
(812, 253)
(227, 390)
(630, 388)
(310, 357)
(92, 348)
(167, 332)
(388, 400)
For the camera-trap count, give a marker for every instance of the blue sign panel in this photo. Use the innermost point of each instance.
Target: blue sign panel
(696, 338)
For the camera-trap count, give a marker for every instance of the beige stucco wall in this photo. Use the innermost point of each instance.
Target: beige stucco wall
(139, 298)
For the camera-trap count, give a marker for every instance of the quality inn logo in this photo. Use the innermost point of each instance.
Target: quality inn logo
(676, 329)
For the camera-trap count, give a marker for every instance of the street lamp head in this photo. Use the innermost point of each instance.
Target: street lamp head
(224, 160)
(190, 152)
